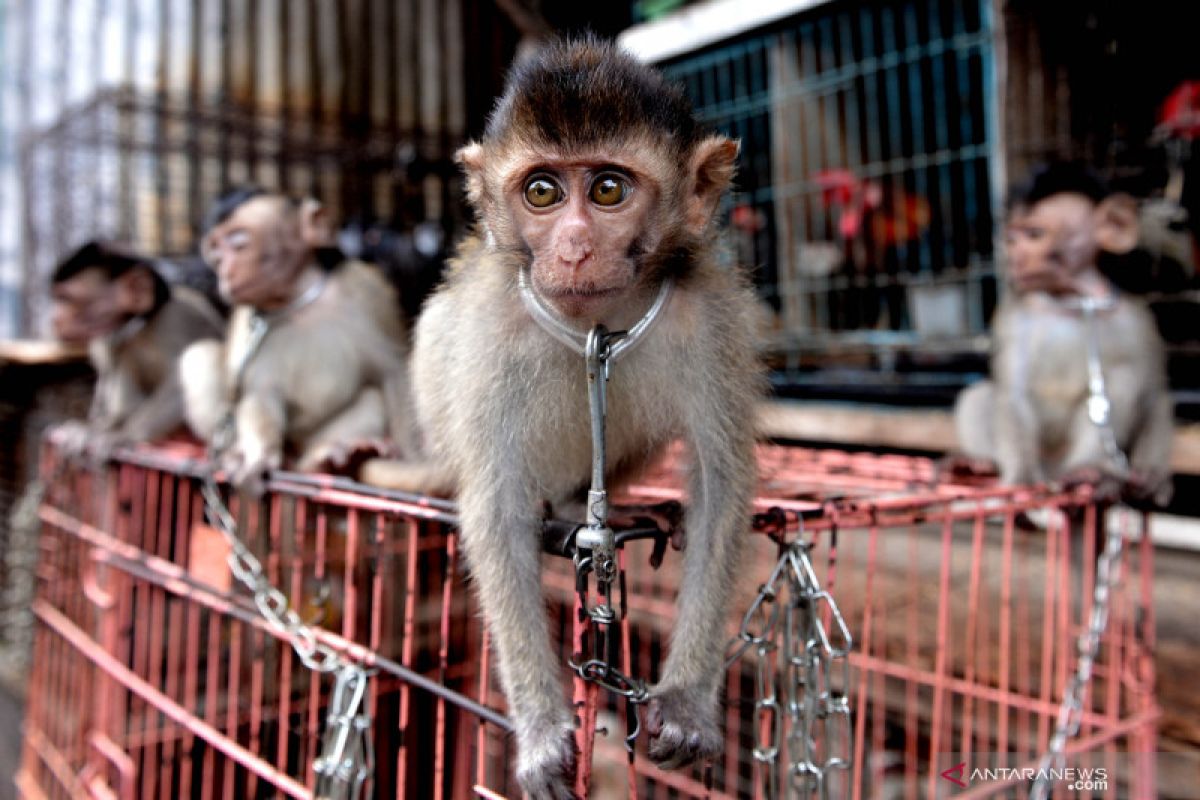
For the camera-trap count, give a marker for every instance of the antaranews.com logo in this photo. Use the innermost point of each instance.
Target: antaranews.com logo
(1078, 779)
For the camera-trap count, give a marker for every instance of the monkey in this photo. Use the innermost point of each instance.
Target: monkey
(135, 326)
(595, 193)
(1032, 416)
(327, 382)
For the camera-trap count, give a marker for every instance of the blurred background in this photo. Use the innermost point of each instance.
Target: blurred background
(878, 139)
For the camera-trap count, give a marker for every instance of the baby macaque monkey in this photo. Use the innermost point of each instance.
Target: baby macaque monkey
(135, 327)
(595, 191)
(314, 363)
(1037, 417)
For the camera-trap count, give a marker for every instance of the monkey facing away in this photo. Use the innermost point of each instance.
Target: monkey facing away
(135, 326)
(1033, 417)
(314, 363)
(594, 189)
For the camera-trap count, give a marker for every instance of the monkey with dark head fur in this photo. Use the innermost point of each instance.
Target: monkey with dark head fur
(135, 326)
(1032, 417)
(595, 192)
(314, 364)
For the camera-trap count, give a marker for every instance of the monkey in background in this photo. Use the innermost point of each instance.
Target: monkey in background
(1032, 417)
(136, 327)
(314, 366)
(595, 191)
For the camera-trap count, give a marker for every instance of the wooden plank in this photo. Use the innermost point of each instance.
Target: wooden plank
(905, 428)
(38, 351)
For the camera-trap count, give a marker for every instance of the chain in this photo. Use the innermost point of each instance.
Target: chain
(1098, 404)
(1108, 566)
(1070, 713)
(345, 766)
(596, 553)
(802, 674)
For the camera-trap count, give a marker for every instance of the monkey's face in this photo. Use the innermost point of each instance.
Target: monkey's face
(1051, 243)
(585, 224)
(258, 252)
(90, 305)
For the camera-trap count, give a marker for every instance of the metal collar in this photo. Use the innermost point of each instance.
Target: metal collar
(554, 325)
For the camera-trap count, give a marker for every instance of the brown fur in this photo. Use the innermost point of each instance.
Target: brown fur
(505, 406)
(330, 375)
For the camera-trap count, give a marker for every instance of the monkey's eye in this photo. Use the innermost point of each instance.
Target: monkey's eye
(609, 190)
(541, 192)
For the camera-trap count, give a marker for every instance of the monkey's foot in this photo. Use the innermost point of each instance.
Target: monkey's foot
(347, 458)
(679, 732)
(962, 466)
(546, 762)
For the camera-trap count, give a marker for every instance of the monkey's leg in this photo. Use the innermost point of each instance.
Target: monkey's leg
(501, 536)
(354, 433)
(683, 718)
(974, 414)
(1016, 439)
(1150, 454)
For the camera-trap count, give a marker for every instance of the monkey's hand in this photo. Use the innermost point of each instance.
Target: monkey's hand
(104, 444)
(71, 438)
(546, 764)
(248, 470)
(1107, 486)
(680, 730)
(1149, 487)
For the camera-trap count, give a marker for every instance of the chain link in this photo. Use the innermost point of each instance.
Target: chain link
(797, 653)
(595, 548)
(345, 766)
(1070, 713)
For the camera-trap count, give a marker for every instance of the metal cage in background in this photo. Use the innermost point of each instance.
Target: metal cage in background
(865, 195)
(153, 678)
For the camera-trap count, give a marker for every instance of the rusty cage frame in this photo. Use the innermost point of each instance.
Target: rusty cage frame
(151, 678)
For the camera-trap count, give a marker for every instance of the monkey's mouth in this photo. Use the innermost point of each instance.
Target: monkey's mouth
(577, 301)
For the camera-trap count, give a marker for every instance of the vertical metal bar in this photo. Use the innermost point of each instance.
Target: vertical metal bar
(866, 637)
(408, 651)
(912, 661)
(439, 742)
(192, 100)
(1005, 652)
(995, 77)
(938, 728)
(300, 525)
(1054, 535)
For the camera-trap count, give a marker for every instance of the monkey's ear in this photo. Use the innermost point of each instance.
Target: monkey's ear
(135, 291)
(1117, 224)
(712, 166)
(316, 226)
(470, 158)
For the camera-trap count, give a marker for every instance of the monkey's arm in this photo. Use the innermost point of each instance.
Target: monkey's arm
(501, 536)
(401, 414)
(1150, 455)
(261, 423)
(203, 385)
(160, 413)
(683, 717)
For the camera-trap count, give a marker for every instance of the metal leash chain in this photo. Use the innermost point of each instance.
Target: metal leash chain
(1098, 405)
(814, 671)
(1108, 567)
(596, 553)
(345, 766)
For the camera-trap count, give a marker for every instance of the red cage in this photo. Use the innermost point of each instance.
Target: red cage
(154, 677)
